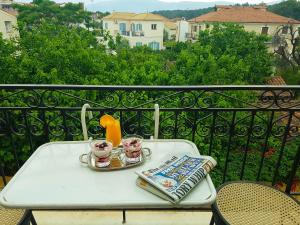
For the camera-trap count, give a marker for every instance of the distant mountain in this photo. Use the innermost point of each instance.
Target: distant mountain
(187, 14)
(290, 8)
(275, 2)
(192, 13)
(147, 5)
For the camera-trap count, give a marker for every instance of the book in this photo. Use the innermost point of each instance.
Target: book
(176, 177)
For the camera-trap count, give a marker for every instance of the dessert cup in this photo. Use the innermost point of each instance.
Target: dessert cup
(101, 151)
(132, 145)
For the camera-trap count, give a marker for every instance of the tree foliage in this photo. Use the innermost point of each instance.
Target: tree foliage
(246, 50)
(288, 8)
(187, 14)
(288, 45)
(227, 54)
(53, 53)
(46, 10)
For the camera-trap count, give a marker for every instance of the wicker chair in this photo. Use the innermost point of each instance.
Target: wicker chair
(16, 216)
(247, 203)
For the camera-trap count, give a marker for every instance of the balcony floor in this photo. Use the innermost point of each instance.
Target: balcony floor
(115, 217)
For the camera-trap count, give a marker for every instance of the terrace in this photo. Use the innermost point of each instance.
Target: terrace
(252, 131)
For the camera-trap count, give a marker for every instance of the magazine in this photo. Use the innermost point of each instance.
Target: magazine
(174, 179)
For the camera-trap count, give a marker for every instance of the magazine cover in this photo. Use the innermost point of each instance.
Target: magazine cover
(176, 177)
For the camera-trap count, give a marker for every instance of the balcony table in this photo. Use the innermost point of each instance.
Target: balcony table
(53, 178)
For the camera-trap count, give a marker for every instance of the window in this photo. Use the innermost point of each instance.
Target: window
(206, 26)
(138, 44)
(106, 25)
(154, 45)
(8, 26)
(199, 27)
(153, 26)
(122, 27)
(194, 28)
(6, 7)
(264, 30)
(138, 27)
(285, 30)
(132, 27)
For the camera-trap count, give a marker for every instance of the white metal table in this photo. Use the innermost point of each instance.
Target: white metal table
(53, 178)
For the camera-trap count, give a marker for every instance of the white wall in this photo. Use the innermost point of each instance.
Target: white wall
(250, 27)
(182, 30)
(171, 32)
(149, 34)
(6, 18)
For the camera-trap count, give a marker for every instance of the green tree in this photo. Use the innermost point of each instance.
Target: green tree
(287, 47)
(58, 54)
(226, 54)
(9, 66)
(46, 10)
(187, 14)
(289, 8)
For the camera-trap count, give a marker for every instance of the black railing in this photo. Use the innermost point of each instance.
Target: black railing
(137, 33)
(125, 33)
(192, 36)
(252, 131)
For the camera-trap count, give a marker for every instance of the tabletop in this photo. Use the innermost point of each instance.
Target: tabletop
(53, 178)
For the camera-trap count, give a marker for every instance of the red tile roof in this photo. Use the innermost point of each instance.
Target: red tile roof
(276, 80)
(241, 14)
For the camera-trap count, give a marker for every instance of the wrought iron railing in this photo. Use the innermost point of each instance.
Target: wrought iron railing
(137, 33)
(252, 131)
(192, 36)
(125, 33)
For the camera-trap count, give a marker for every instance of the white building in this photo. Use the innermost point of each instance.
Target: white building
(253, 18)
(138, 29)
(8, 25)
(170, 29)
(6, 5)
(182, 30)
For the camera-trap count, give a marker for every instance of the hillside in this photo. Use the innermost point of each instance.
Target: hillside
(289, 8)
(147, 5)
(187, 14)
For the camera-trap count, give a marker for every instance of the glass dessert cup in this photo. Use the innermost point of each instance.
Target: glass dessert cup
(101, 152)
(103, 158)
(132, 145)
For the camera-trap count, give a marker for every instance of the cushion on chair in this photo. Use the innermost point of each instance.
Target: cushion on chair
(10, 216)
(248, 203)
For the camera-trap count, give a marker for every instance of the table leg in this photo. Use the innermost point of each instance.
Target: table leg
(212, 222)
(124, 216)
(27, 218)
(32, 220)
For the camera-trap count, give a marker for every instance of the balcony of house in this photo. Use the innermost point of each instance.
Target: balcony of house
(191, 36)
(132, 33)
(137, 33)
(125, 33)
(251, 131)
